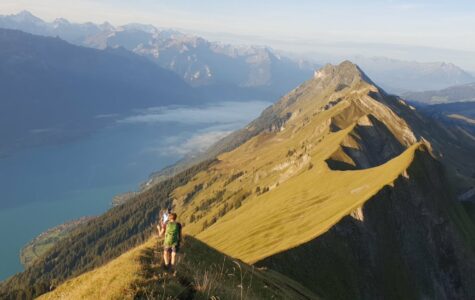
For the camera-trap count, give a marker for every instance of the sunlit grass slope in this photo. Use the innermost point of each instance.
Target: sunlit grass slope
(203, 273)
(111, 281)
(299, 210)
(276, 191)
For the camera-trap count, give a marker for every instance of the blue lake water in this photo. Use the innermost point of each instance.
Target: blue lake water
(45, 186)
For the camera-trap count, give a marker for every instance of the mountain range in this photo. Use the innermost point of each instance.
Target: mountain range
(458, 93)
(59, 90)
(198, 61)
(399, 76)
(460, 114)
(225, 70)
(337, 191)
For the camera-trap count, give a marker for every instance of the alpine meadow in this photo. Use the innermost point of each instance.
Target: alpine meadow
(237, 150)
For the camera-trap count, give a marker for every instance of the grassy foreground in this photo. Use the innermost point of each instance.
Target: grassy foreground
(110, 281)
(202, 273)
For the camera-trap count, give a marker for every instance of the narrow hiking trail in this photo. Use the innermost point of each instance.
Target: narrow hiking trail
(156, 283)
(204, 273)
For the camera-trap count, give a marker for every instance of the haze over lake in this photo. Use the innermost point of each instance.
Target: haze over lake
(49, 185)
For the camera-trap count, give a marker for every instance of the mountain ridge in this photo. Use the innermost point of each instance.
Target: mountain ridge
(399, 76)
(458, 93)
(59, 88)
(372, 238)
(265, 197)
(267, 204)
(199, 62)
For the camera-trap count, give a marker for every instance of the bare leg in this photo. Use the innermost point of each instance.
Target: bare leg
(166, 257)
(173, 262)
(173, 258)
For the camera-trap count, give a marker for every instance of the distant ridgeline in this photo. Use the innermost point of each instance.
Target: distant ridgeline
(458, 93)
(346, 191)
(72, 91)
(219, 70)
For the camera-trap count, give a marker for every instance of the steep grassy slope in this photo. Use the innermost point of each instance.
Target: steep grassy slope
(283, 172)
(336, 186)
(409, 241)
(279, 190)
(111, 281)
(299, 210)
(203, 273)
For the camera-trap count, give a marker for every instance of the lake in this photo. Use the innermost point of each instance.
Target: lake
(49, 185)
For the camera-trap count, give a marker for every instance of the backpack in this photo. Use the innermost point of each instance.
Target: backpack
(172, 234)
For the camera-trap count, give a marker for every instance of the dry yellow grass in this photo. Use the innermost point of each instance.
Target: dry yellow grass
(302, 197)
(305, 197)
(111, 281)
(300, 210)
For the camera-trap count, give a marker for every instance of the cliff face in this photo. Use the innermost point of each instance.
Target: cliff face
(409, 241)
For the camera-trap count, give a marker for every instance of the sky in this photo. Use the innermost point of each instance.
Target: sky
(298, 25)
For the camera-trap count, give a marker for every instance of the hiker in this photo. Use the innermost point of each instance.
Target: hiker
(171, 243)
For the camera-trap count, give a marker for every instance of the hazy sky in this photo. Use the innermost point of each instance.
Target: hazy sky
(439, 24)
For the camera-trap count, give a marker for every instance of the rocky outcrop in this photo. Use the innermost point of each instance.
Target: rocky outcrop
(369, 144)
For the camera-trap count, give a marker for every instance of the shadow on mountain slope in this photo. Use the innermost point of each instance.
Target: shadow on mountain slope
(368, 145)
(204, 273)
(408, 242)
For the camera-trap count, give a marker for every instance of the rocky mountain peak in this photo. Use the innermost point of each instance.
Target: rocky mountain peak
(343, 75)
(26, 16)
(106, 26)
(60, 22)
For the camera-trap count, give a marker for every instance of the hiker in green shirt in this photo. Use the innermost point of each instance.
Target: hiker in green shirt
(171, 242)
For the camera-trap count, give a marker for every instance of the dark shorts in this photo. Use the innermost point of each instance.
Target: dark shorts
(173, 248)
